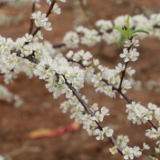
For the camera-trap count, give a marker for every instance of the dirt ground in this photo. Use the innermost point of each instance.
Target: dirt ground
(40, 110)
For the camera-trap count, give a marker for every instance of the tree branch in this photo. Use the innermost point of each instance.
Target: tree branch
(88, 110)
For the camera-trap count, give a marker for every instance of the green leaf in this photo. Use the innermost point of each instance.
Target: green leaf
(140, 30)
(121, 30)
(151, 157)
(131, 30)
(128, 26)
(121, 40)
(134, 35)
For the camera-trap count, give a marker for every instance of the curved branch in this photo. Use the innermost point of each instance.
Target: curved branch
(88, 110)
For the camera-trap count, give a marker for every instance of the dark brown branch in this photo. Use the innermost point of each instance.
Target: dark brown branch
(84, 104)
(50, 9)
(156, 26)
(1, 74)
(79, 62)
(59, 45)
(36, 30)
(122, 77)
(88, 110)
(124, 96)
(32, 59)
(153, 125)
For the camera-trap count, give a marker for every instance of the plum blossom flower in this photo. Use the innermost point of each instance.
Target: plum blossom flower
(122, 140)
(136, 151)
(70, 54)
(130, 71)
(157, 150)
(98, 117)
(152, 133)
(50, 1)
(95, 107)
(96, 78)
(96, 62)
(128, 153)
(90, 37)
(100, 134)
(2, 158)
(119, 68)
(104, 25)
(157, 113)
(56, 9)
(131, 55)
(71, 39)
(109, 91)
(108, 132)
(41, 20)
(105, 111)
(146, 146)
(113, 150)
(134, 42)
(27, 38)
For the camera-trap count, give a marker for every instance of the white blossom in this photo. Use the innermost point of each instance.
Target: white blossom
(71, 39)
(131, 55)
(128, 153)
(134, 42)
(104, 25)
(99, 134)
(146, 146)
(108, 132)
(113, 150)
(56, 9)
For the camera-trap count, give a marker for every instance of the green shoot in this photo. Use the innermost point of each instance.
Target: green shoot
(128, 33)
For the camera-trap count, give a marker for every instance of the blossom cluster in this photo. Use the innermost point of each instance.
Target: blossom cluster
(104, 30)
(104, 74)
(12, 64)
(88, 121)
(56, 71)
(41, 20)
(140, 114)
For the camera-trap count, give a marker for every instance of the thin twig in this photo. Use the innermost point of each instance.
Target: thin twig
(59, 45)
(32, 21)
(122, 77)
(47, 14)
(87, 15)
(39, 28)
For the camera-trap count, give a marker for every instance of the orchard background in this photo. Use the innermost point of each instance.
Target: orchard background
(40, 110)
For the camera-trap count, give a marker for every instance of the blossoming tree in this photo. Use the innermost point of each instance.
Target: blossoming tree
(66, 74)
